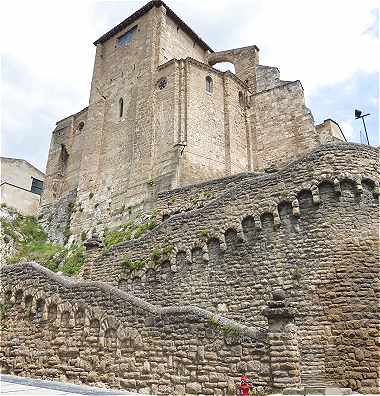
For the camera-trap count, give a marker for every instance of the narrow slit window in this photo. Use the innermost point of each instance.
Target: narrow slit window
(241, 99)
(209, 84)
(121, 107)
(63, 160)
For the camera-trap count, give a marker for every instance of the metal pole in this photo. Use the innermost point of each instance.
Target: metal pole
(366, 134)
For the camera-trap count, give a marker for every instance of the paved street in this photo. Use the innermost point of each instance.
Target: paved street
(20, 386)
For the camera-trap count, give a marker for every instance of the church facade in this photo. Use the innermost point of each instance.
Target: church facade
(160, 116)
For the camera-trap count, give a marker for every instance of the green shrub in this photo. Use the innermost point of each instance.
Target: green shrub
(167, 250)
(129, 264)
(74, 260)
(112, 238)
(156, 255)
(172, 200)
(204, 233)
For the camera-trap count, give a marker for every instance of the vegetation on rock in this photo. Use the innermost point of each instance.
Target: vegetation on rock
(31, 243)
(129, 264)
(133, 229)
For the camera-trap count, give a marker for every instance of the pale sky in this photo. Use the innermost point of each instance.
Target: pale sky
(47, 56)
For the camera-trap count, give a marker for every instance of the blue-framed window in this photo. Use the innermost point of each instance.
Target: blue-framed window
(126, 37)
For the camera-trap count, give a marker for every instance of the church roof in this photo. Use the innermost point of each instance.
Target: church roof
(143, 10)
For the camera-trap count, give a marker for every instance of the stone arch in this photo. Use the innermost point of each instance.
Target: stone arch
(110, 338)
(28, 300)
(108, 322)
(248, 224)
(231, 237)
(225, 66)
(305, 198)
(19, 293)
(39, 309)
(94, 327)
(285, 209)
(93, 317)
(79, 311)
(79, 317)
(65, 314)
(213, 247)
(348, 185)
(244, 60)
(37, 296)
(52, 312)
(221, 58)
(267, 220)
(369, 184)
(326, 188)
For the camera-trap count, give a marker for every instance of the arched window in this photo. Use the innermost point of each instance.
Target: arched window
(121, 107)
(80, 126)
(241, 99)
(208, 84)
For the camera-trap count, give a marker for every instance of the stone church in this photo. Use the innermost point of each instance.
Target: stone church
(263, 255)
(160, 116)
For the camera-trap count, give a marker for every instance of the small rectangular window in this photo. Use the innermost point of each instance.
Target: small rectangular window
(126, 37)
(37, 186)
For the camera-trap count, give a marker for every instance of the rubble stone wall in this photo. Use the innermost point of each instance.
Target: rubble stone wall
(311, 228)
(88, 332)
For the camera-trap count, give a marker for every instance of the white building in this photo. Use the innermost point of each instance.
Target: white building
(21, 185)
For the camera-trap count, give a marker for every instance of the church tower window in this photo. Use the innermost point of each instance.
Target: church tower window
(209, 84)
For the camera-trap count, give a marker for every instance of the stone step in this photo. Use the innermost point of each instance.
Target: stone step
(317, 390)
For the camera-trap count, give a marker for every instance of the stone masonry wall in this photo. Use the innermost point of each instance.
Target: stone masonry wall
(282, 126)
(187, 198)
(311, 228)
(65, 153)
(267, 77)
(88, 332)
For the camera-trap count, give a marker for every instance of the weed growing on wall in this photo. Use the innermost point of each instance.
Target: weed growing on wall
(133, 229)
(160, 254)
(129, 264)
(228, 329)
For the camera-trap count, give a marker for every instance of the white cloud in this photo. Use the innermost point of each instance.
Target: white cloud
(319, 42)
